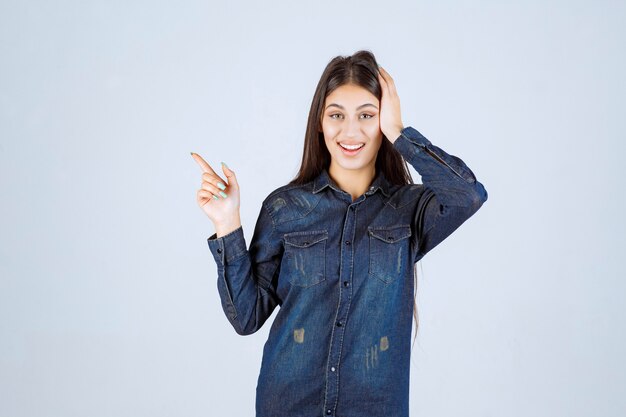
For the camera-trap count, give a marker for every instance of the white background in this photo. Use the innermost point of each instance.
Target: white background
(108, 296)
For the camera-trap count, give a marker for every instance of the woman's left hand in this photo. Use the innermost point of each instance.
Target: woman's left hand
(389, 114)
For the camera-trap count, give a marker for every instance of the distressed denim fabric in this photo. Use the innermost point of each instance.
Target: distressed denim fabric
(341, 272)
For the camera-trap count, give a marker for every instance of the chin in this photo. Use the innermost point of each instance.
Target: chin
(354, 165)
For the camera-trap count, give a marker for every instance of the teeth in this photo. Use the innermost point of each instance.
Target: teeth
(351, 147)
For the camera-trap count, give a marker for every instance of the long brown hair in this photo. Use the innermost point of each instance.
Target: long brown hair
(360, 69)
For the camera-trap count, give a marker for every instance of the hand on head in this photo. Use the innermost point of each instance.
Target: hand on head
(389, 114)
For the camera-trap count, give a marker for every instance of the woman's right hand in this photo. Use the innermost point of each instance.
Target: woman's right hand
(223, 211)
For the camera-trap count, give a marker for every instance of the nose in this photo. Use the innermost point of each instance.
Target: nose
(352, 129)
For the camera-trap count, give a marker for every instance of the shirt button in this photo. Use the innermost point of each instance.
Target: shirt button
(346, 284)
(329, 411)
(347, 242)
(332, 368)
(219, 250)
(339, 324)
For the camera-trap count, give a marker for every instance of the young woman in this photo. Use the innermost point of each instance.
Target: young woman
(336, 249)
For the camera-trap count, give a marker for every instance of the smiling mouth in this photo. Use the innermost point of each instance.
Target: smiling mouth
(352, 147)
(351, 150)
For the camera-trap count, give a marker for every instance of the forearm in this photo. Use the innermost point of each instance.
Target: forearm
(450, 194)
(451, 179)
(245, 276)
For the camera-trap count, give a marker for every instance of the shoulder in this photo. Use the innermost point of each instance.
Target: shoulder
(291, 201)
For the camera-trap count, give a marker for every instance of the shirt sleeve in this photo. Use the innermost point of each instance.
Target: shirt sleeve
(451, 193)
(245, 278)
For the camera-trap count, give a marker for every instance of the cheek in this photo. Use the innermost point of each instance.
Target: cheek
(328, 137)
(329, 130)
(373, 129)
(374, 133)
(327, 141)
(376, 146)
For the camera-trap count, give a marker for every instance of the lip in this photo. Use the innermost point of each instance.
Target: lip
(350, 153)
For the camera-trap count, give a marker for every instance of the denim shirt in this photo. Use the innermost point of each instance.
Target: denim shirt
(342, 273)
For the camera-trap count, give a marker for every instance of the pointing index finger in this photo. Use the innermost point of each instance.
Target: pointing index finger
(203, 164)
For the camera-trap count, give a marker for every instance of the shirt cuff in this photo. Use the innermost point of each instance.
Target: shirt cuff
(409, 136)
(229, 247)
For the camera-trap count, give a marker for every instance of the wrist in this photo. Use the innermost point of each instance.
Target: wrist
(226, 227)
(394, 134)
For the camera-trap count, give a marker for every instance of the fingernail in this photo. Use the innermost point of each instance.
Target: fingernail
(220, 185)
(224, 163)
(191, 153)
(223, 194)
(215, 197)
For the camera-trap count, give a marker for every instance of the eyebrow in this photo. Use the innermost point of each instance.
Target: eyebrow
(361, 106)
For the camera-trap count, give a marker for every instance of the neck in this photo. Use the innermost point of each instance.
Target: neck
(353, 181)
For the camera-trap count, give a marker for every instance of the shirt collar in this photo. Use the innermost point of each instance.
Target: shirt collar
(323, 180)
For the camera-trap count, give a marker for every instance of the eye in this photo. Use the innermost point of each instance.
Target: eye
(335, 114)
(369, 116)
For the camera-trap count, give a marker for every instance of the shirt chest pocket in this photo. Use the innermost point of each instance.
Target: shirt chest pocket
(304, 260)
(389, 252)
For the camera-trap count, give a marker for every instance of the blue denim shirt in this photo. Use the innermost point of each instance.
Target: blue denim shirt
(342, 273)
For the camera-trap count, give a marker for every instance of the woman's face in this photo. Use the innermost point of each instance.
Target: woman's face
(350, 117)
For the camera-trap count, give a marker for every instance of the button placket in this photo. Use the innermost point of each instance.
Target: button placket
(345, 296)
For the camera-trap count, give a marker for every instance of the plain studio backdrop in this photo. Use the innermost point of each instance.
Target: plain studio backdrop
(108, 295)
